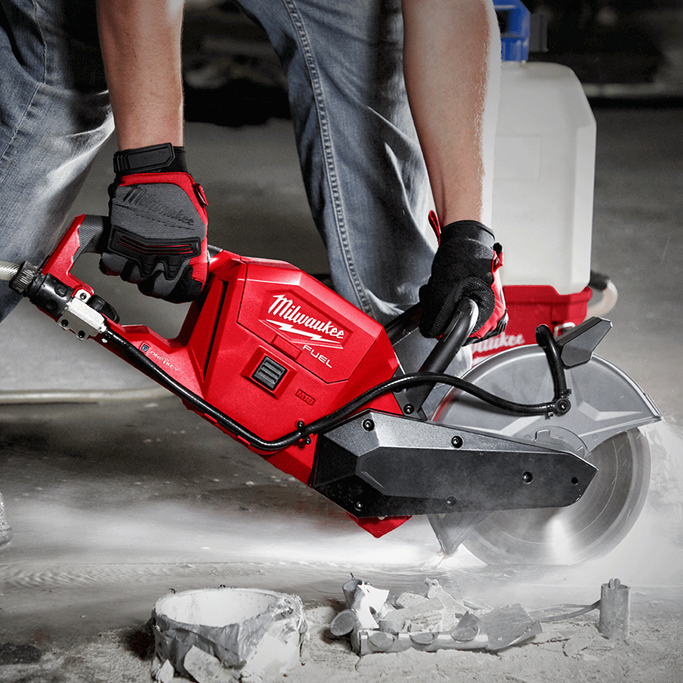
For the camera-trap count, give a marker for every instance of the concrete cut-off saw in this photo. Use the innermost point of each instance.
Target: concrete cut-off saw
(534, 456)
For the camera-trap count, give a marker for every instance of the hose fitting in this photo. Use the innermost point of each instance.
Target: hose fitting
(24, 277)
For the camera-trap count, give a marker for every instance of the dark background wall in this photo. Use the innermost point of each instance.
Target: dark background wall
(619, 49)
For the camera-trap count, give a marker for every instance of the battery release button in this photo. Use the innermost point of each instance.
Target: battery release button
(269, 373)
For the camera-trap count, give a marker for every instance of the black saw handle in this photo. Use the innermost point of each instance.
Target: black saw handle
(453, 339)
(92, 234)
(457, 332)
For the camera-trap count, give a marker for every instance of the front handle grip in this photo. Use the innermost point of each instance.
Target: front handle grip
(453, 339)
(92, 232)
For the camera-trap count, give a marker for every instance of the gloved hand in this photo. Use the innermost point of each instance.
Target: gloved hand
(466, 264)
(158, 221)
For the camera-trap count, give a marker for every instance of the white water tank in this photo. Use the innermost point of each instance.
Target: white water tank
(543, 178)
(544, 161)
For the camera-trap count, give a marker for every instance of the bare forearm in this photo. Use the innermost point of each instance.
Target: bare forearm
(141, 47)
(452, 53)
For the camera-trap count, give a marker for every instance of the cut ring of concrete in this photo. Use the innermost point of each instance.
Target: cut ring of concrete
(256, 633)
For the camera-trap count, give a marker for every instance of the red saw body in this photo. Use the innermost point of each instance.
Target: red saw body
(268, 345)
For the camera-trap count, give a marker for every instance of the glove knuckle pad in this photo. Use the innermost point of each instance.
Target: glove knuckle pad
(156, 232)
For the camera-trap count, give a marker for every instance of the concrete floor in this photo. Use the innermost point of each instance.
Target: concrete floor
(114, 502)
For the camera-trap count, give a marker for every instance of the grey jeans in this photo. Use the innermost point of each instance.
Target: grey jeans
(54, 117)
(361, 162)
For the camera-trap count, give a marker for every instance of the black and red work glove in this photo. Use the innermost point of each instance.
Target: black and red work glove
(158, 235)
(466, 264)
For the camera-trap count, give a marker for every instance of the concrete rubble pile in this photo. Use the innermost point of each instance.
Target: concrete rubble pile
(439, 620)
(255, 636)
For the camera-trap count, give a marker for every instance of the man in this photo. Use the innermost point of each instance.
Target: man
(362, 163)
(373, 164)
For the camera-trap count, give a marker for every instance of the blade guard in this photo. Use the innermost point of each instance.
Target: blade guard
(605, 401)
(266, 344)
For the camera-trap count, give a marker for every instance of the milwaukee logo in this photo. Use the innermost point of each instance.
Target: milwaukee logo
(501, 341)
(305, 327)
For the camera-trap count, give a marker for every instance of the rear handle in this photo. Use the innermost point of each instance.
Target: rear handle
(88, 234)
(53, 286)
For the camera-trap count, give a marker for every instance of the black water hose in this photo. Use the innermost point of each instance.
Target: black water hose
(143, 363)
(545, 339)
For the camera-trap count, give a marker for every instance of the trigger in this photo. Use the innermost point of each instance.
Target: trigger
(98, 304)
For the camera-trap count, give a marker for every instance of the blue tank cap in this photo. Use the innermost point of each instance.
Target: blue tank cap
(514, 22)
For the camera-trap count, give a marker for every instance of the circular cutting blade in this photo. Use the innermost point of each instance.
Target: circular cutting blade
(602, 426)
(592, 526)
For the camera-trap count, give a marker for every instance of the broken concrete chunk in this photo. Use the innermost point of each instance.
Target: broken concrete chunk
(508, 626)
(410, 600)
(453, 603)
(344, 623)
(438, 611)
(165, 673)
(431, 622)
(205, 668)
(467, 629)
(414, 619)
